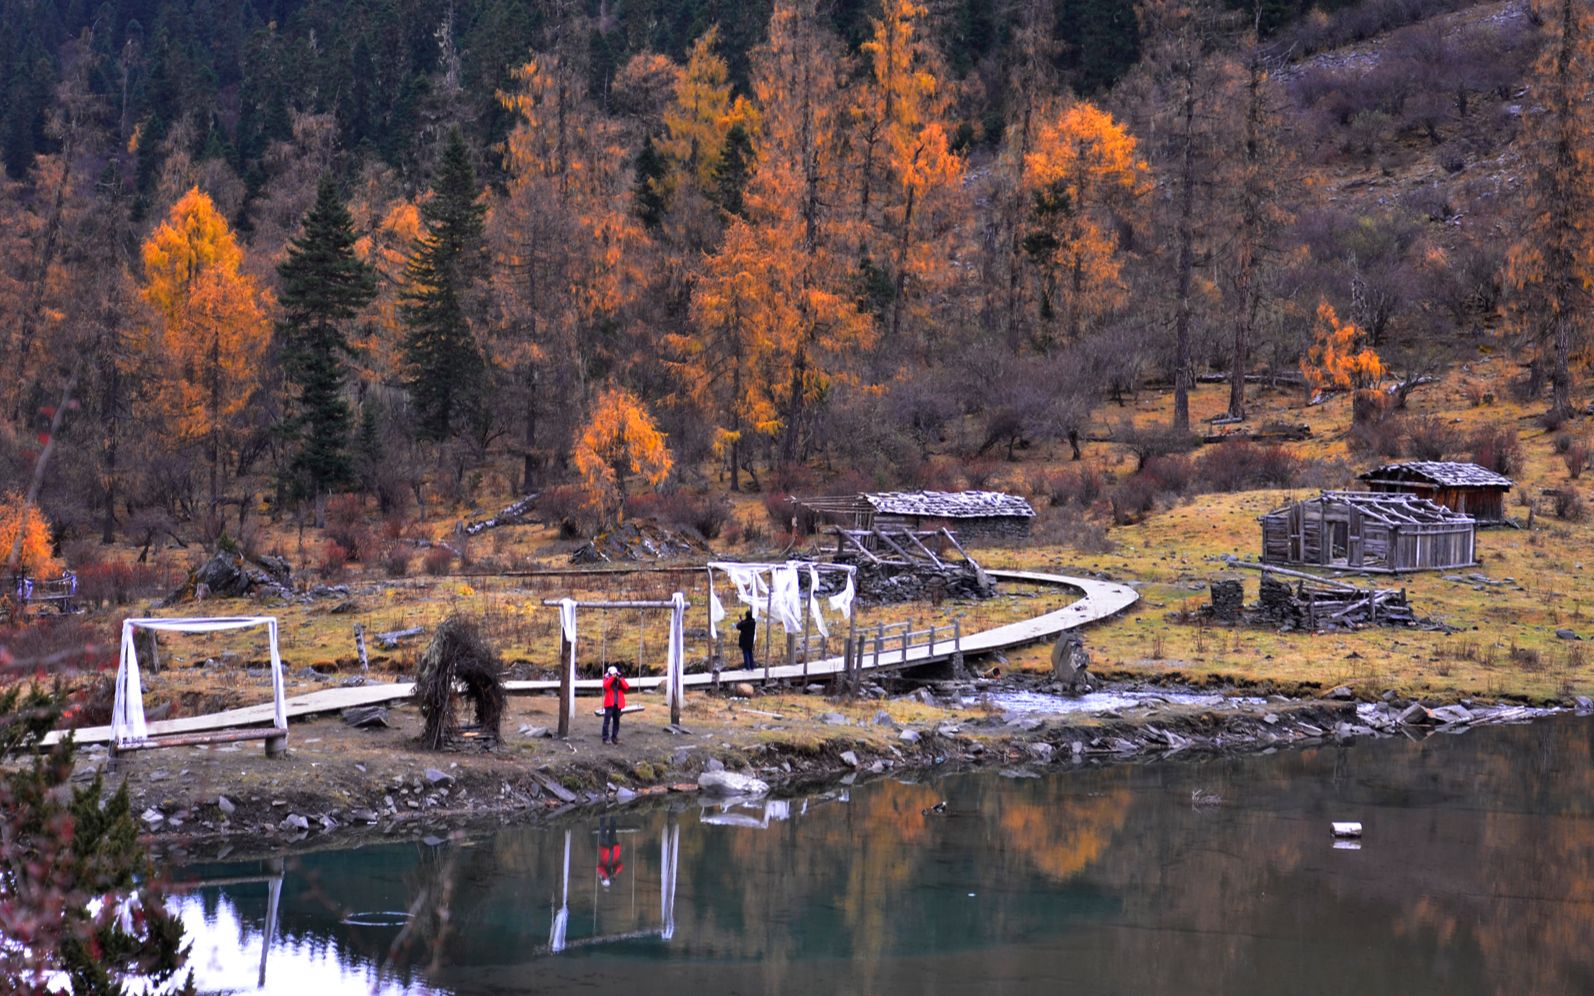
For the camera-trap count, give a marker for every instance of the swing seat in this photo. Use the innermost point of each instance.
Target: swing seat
(624, 712)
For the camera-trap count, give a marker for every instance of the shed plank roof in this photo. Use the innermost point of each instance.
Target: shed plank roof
(1393, 508)
(1445, 473)
(950, 504)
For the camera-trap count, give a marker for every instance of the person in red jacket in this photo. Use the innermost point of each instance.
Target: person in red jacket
(614, 689)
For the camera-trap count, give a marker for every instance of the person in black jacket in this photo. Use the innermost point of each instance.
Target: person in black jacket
(746, 638)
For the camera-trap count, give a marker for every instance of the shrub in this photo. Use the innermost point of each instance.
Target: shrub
(396, 560)
(437, 561)
(1569, 505)
(1431, 438)
(1169, 474)
(1133, 498)
(116, 583)
(1562, 442)
(345, 519)
(1381, 437)
(1078, 486)
(779, 510)
(1576, 459)
(1240, 465)
(1498, 449)
(334, 558)
(1477, 394)
(565, 507)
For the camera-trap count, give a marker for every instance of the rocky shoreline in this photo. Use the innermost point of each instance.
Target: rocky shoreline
(442, 796)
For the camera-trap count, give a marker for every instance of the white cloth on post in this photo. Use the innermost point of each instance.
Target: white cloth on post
(786, 597)
(128, 724)
(842, 600)
(813, 602)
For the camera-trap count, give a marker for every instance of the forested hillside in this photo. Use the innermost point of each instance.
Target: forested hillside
(257, 254)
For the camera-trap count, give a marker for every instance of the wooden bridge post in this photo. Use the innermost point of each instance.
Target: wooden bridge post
(905, 634)
(565, 679)
(879, 643)
(932, 639)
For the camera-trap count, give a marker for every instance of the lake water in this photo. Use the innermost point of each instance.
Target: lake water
(1475, 874)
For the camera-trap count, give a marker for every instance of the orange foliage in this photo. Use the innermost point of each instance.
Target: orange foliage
(703, 112)
(34, 558)
(1082, 166)
(210, 330)
(1062, 841)
(1337, 358)
(620, 440)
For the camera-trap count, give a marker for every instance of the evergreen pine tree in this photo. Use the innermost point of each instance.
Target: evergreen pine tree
(733, 170)
(648, 194)
(324, 287)
(446, 367)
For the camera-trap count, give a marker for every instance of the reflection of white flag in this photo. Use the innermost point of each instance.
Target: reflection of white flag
(813, 602)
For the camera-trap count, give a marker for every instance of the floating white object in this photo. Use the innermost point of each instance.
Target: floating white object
(1347, 829)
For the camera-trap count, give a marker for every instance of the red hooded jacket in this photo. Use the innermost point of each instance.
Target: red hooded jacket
(614, 689)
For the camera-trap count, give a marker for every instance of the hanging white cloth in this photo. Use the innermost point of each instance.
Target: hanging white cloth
(567, 626)
(813, 602)
(786, 602)
(716, 609)
(675, 659)
(842, 600)
(750, 587)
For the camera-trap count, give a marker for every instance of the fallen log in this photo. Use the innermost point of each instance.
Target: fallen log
(390, 639)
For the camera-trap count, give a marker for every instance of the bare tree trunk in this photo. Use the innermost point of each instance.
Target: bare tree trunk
(1182, 374)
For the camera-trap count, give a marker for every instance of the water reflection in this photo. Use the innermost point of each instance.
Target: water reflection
(1475, 875)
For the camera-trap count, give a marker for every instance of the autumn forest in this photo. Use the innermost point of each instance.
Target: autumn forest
(260, 254)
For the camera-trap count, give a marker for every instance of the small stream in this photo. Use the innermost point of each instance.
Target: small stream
(1106, 700)
(1206, 875)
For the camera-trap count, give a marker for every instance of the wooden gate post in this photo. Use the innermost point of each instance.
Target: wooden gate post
(566, 689)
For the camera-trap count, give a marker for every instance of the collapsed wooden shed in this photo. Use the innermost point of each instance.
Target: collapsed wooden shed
(1369, 531)
(1461, 487)
(971, 513)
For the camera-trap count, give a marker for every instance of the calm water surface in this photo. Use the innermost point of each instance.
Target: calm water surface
(1475, 875)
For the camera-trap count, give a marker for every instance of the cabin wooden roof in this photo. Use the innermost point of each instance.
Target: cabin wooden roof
(927, 504)
(1392, 508)
(1439, 473)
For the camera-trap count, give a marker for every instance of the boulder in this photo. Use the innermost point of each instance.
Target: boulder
(744, 690)
(909, 736)
(724, 784)
(1452, 714)
(1567, 634)
(225, 805)
(366, 717)
(292, 822)
(849, 758)
(1416, 715)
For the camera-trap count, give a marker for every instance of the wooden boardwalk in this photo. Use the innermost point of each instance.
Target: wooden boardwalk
(1099, 600)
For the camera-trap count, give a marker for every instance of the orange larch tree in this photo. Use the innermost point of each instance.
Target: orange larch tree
(907, 155)
(1083, 168)
(209, 330)
(564, 242)
(620, 442)
(25, 538)
(804, 236)
(1338, 358)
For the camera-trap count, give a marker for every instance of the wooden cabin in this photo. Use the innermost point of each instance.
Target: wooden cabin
(971, 513)
(1369, 531)
(1461, 487)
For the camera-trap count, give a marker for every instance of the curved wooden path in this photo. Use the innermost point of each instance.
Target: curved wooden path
(1099, 600)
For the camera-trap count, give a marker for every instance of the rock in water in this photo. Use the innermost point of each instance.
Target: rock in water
(725, 784)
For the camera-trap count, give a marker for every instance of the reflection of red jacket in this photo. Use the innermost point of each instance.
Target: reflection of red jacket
(614, 689)
(609, 864)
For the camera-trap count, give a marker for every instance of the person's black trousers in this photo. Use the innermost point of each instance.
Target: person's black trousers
(611, 722)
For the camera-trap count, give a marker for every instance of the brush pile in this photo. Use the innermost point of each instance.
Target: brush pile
(459, 663)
